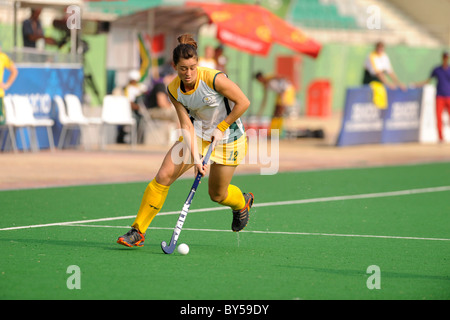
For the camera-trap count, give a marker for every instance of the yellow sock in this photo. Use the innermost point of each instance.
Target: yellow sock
(235, 199)
(154, 196)
(276, 123)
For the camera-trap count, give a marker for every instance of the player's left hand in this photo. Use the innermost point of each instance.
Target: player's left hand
(200, 168)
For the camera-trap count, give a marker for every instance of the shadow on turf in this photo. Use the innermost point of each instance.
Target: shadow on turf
(70, 243)
(386, 274)
(113, 246)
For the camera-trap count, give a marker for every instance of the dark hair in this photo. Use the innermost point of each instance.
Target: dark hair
(379, 44)
(186, 49)
(258, 74)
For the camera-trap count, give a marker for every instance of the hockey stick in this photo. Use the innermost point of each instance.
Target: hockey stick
(168, 249)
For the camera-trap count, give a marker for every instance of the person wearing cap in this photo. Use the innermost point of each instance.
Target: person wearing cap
(133, 90)
(5, 63)
(442, 75)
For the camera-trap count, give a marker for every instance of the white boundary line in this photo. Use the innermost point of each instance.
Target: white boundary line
(272, 232)
(266, 204)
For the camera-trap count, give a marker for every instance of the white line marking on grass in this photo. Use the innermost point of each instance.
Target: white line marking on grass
(266, 204)
(357, 196)
(272, 232)
(66, 223)
(56, 224)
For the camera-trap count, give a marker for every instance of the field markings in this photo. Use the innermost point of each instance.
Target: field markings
(272, 232)
(266, 204)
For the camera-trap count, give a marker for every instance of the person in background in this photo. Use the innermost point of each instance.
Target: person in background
(32, 30)
(5, 63)
(133, 90)
(157, 100)
(378, 68)
(221, 59)
(208, 60)
(285, 91)
(442, 75)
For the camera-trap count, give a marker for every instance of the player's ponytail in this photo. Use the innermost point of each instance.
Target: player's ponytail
(186, 49)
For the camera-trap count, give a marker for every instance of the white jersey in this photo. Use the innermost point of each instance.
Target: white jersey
(206, 107)
(278, 85)
(378, 63)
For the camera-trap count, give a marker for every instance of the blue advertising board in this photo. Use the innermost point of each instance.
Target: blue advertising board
(40, 84)
(364, 123)
(402, 119)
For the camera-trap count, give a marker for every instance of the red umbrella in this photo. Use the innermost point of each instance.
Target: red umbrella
(253, 29)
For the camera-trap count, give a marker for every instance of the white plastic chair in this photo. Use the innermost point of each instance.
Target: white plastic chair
(75, 111)
(24, 115)
(65, 121)
(116, 110)
(20, 123)
(75, 114)
(10, 122)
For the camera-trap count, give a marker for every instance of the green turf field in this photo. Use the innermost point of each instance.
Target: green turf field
(312, 235)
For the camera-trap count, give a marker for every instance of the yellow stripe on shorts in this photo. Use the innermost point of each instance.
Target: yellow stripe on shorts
(229, 154)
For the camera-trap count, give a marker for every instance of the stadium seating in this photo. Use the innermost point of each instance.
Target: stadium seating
(23, 111)
(315, 14)
(349, 21)
(76, 115)
(75, 111)
(64, 120)
(116, 110)
(10, 122)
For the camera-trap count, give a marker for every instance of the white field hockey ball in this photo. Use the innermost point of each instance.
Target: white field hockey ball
(183, 249)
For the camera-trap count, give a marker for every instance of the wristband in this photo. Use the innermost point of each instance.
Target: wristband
(223, 126)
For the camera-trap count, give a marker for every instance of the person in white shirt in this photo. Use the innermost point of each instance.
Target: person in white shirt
(378, 68)
(133, 90)
(285, 98)
(208, 60)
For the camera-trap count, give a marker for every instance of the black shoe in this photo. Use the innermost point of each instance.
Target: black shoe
(240, 217)
(132, 238)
